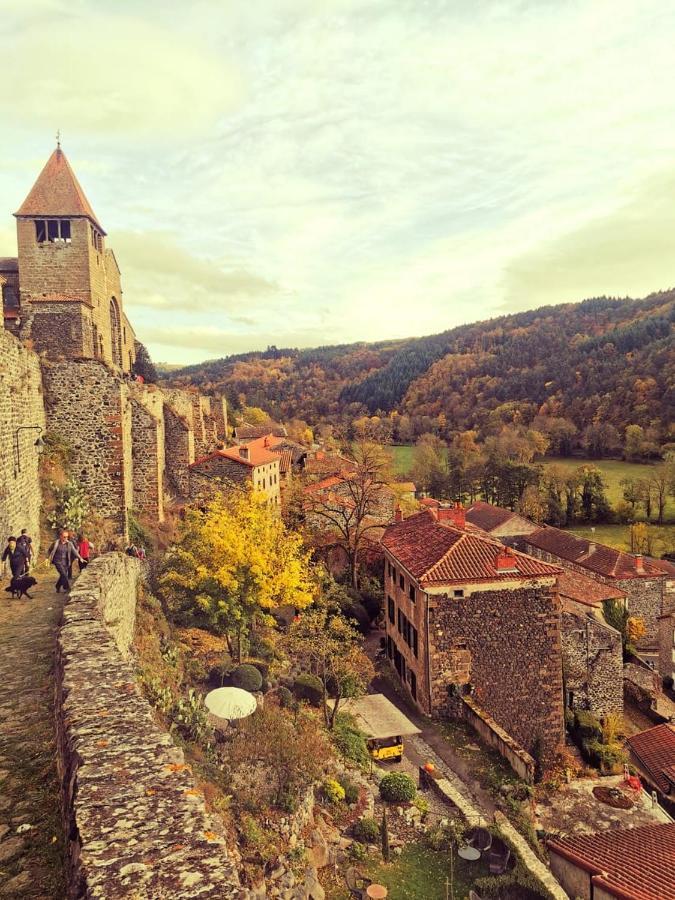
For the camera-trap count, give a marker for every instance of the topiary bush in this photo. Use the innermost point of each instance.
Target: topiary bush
(247, 677)
(367, 831)
(333, 791)
(397, 788)
(309, 688)
(285, 697)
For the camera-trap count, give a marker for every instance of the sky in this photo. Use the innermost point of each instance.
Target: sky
(310, 172)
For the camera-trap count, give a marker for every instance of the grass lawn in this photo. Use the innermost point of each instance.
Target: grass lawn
(613, 471)
(417, 874)
(403, 458)
(663, 539)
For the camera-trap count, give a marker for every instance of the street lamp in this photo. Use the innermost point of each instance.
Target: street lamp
(39, 443)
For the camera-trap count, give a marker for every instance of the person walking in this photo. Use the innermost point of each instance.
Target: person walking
(14, 553)
(61, 556)
(85, 549)
(26, 545)
(10, 547)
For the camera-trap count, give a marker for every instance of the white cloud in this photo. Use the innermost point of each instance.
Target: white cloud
(304, 172)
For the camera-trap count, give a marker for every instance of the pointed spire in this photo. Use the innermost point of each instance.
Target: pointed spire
(57, 192)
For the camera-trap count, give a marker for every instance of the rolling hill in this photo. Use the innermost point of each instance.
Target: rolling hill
(602, 360)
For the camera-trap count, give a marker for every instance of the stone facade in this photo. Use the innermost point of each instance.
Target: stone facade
(645, 597)
(592, 664)
(148, 450)
(501, 642)
(667, 645)
(136, 821)
(90, 407)
(220, 472)
(21, 405)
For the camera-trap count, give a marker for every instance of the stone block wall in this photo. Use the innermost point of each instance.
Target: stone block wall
(513, 637)
(667, 645)
(21, 403)
(592, 664)
(137, 824)
(180, 450)
(148, 450)
(89, 406)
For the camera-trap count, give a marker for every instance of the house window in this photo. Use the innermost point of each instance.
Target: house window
(52, 230)
(401, 581)
(414, 641)
(413, 684)
(390, 607)
(411, 592)
(459, 593)
(400, 622)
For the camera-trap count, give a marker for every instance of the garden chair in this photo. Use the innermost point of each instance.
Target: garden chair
(356, 883)
(480, 838)
(498, 858)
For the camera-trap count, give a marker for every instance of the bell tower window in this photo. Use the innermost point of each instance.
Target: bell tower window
(52, 231)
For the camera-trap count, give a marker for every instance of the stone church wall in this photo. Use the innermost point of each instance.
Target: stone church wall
(137, 824)
(21, 403)
(89, 406)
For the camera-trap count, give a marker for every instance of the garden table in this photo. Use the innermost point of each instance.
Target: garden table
(376, 891)
(470, 853)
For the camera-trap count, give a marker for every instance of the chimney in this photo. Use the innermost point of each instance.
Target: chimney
(245, 453)
(506, 561)
(398, 515)
(639, 564)
(455, 514)
(266, 442)
(591, 547)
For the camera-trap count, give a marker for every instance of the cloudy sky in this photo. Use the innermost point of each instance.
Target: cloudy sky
(303, 172)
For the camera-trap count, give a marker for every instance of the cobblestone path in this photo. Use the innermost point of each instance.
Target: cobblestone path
(31, 859)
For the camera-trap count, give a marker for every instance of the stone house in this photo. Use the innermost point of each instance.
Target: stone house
(131, 443)
(648, 589)
(238, 467)
(470, 619)
(653, 752)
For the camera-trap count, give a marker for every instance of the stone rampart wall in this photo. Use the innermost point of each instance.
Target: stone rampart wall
(137, 824)
(21, 404)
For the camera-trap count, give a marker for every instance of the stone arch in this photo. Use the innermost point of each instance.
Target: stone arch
(116, 332)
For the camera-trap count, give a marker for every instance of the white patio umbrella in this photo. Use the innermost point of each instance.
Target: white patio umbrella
(230, 703)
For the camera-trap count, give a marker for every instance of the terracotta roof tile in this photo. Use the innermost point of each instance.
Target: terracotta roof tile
(258, 456)
(586, 590)
(631, 864)
(606, 561)
(487, 516)
(437, 553)
(246, 432)
(655, 749)
(57, 192)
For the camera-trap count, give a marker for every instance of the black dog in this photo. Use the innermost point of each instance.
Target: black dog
(20, 586)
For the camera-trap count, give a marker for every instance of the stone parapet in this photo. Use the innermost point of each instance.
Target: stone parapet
(138, 826)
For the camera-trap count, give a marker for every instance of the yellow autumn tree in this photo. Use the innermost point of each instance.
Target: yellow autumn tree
(233, 563)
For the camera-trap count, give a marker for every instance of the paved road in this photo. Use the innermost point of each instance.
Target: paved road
(31, 861)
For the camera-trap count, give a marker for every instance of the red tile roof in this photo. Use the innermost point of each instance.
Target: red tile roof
(663, 565)
(655, 750)
(246, 432)
(57, 192)
(586, 590)
(631, 864)
(606, 561)
(436, 553)
(487, 516)
(258, 456)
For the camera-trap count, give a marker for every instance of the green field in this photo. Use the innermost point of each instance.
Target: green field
(403, 458)
(663, 539)
(613, 471)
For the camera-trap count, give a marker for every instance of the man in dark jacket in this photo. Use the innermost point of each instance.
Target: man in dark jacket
(61, 555)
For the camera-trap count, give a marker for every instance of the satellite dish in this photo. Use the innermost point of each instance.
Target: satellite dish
(230, 703)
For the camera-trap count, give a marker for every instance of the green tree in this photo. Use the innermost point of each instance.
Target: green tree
(328, 645)
(634, 442)
(143, 364)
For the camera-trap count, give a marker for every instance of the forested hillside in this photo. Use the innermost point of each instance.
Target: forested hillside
(595, 367)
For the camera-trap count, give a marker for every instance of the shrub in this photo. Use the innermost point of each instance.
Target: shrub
(349, 741)
(308, 687)
(569, 720)
(285, 697)
(587, 726)
(262, 666)
(358, 852)
(367, 831)
(609, 758)
(350, 788)
(397, 788)
(247, 677)
(422, 804)
(333, 791)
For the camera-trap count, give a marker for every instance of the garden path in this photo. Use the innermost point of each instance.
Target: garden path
(31, 859)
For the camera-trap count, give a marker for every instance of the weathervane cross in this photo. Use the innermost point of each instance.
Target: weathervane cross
(58, 137)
